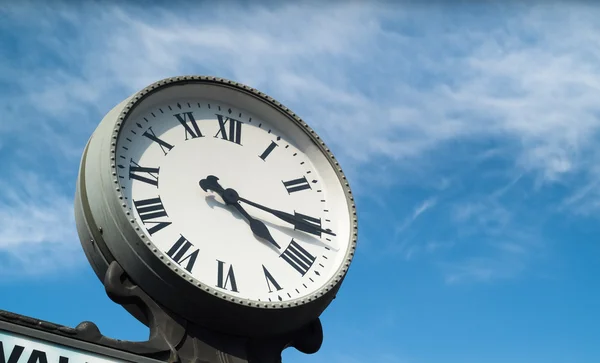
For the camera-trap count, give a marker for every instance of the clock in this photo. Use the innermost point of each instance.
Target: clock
(220, 203)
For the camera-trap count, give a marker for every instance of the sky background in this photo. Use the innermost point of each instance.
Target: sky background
(468, 131)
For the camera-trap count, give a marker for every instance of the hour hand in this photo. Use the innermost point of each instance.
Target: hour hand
(258, 228)
(231, 197)
(211, 183)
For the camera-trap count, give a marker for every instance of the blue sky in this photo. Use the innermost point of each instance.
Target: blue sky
(469, 133)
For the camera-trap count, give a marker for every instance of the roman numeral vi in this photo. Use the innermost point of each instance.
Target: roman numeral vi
(226, 278)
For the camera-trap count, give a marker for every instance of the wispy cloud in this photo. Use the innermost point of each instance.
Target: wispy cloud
(404, 94)
(540, 93)
(418, 210)
(501, 234)
(536, 91)
(481, 270)
(37, 230)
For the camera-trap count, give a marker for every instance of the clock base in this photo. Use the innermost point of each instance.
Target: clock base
(173, 339)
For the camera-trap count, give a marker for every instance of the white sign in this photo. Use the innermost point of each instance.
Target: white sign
(20, 349)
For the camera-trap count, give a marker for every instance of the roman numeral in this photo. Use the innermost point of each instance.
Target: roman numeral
(178, 251)
(268, 150)
(193, 131)
(151, 172)
(270, 280)
(310, 220)
(224, 279)
(298, 257)
(296, 185)
(235, 129)
(165, 146)
(150, 209)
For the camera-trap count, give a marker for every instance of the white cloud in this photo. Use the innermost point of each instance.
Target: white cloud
(350, 73)
(502, 238)
(482, 270)
(37, 229)
(417, 211)
(394, 89)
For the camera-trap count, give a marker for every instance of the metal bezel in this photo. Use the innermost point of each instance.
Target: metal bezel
(136, 99)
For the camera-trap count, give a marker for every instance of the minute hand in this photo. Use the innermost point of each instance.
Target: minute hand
(290, 218)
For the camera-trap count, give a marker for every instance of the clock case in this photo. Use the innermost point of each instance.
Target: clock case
(109, 232)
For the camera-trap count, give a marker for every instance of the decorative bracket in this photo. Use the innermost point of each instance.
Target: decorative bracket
(175, 340)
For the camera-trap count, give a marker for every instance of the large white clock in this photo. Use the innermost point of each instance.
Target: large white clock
(220, 203)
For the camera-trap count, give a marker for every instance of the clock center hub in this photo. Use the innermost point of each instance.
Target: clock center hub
(230, 196)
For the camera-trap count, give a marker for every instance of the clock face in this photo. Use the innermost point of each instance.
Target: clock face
(236, 203)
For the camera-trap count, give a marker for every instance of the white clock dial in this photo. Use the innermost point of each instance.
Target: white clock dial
(167, 149)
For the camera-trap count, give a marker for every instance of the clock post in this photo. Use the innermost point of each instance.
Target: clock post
(173, 339)
(216, 217)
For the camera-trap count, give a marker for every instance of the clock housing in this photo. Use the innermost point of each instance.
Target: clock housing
(111, 228)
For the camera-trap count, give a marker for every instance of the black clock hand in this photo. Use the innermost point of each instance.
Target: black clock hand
(212, 183)
(290, 218)
(257, 227)
(231, 197)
